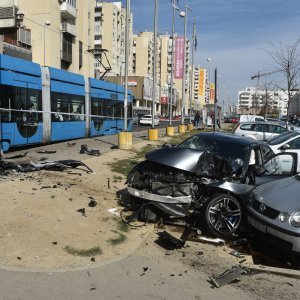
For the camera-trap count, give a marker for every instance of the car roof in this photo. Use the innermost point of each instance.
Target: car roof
(262, 122)
(229, 137)
(283, 137)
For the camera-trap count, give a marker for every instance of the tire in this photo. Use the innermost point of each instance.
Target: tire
(222, 215)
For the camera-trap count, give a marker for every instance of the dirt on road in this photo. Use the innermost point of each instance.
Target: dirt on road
(41, 227)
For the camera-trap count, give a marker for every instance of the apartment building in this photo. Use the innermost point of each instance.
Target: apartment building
(252, 100)
(110, 24)
(51, 33)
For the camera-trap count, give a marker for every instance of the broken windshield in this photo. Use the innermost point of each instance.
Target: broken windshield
(226, 149)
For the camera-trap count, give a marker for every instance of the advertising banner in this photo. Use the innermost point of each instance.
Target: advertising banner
(212, 92)
(179, 57)
(202, 83)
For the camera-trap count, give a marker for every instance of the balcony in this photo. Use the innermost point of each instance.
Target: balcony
(68, 28)
(68, 11)
(8, 10)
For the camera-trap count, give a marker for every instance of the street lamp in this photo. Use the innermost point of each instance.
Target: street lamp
(184, 14)
(47, 24)
(172, 62)
(154, 62)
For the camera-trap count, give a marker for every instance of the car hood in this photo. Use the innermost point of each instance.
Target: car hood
(179, 158)
(202, 163)
(282, 194)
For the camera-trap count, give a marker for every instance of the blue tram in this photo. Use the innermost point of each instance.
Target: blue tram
(39, 105)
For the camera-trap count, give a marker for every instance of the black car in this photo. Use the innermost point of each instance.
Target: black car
(208, 176)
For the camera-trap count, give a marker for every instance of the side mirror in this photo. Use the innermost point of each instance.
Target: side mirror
(285, 147)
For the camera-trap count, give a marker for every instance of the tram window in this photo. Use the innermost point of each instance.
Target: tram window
(77, 108)
(6, 101)
(119, 109)
(110, 109)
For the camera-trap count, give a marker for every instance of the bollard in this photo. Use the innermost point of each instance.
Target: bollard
(181, 128)
(153, 134)
(190, 127)
(125, 140)
(170, 130)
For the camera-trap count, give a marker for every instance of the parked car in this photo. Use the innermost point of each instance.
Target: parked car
(287, 142)
(274, 215)
(262, 131)
(251, 118)
(211, 174)
(147, 120)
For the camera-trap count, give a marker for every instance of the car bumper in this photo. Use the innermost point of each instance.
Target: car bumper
(159, 198)
(272, 234)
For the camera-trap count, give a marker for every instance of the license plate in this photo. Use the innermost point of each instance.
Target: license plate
(256, 224)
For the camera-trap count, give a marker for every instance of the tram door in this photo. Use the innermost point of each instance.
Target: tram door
(28, 118)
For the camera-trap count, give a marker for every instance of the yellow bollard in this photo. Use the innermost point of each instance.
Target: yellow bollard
(181, 128)
(190, 127)
(170, 131)
(153, 134)
(125, 140)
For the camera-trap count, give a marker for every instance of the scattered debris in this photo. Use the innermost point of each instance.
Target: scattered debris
(168, 241)
(108, 183)
(216, 241)
(237, 254)
(71, 144)
(92, 288)
(113, 211)
(82, 211)
(47, 151)
(229, 276)
(19, 258)
(84, 150)
(59, 165)
(93, 259)
(92, 203)
(17, 156)
(114, 147)
(54, 243)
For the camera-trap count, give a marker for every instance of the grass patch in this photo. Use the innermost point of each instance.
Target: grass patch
(120, 239)
(122, 226)
(124, 166)
(83, 252)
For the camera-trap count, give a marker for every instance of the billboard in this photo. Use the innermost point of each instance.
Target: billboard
(201, 83)
(179, 57)
(212, 92)
(164, 93)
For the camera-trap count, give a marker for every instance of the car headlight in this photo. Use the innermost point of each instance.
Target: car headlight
(295, 219)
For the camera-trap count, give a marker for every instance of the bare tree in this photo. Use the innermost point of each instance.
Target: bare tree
(288, 60)
(267, 99)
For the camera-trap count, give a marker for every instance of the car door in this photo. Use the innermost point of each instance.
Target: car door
(277, 166)
(294, 147)
(260, 132)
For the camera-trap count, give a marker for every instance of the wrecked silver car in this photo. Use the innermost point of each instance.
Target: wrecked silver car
(209, 176)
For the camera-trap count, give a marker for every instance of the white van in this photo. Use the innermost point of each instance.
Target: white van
(251, 118)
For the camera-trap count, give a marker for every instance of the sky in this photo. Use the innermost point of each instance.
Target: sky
(235, 34)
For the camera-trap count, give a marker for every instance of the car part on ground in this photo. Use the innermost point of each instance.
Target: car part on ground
(204, 179)
(59, 165)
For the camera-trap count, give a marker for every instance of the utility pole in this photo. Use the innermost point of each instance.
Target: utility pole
(192, 71)
(216, 99)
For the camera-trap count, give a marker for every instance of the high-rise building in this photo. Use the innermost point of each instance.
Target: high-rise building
(253, 100)
(51, 33)
(110, 22)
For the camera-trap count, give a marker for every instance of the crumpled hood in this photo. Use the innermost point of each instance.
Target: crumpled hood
(282, 195)
(179, 158)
